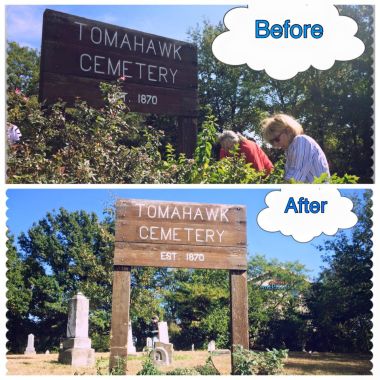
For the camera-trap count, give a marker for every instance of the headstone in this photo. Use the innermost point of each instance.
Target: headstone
(162, 353)
(131, 349)
(149, 342)
(76, 349)
(211, 346)
(30, 350)
(192, 347)
(47, 352)
(163, 334)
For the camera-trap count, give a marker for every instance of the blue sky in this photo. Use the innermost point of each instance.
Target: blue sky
(26, 206)
(24, 22)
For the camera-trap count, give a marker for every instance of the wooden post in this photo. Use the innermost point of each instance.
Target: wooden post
(120, 315)
(187, 135)
(239, 311)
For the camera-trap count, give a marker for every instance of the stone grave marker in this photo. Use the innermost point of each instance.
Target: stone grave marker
(76, 348)
(30, 350)
(149, 342)
(211, 346)
(131, 346)
(163, 334)
(162, 353)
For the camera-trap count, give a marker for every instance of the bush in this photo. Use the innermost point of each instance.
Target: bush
(183, 372)
(248, 362)
(102, 366)
(148, 368)
(100, 342)
(87, 145)
(207, 369)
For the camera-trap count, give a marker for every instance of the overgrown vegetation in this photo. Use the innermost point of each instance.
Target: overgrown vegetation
(270, 362)
(148, 368)
(87, 145)
(81, 144)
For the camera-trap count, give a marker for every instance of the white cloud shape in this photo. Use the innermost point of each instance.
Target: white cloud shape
(302, 220)
(282, 58)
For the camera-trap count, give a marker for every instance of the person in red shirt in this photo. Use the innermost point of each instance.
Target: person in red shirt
(252, 152)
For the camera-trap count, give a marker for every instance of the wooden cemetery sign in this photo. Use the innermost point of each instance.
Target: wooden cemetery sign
(179, 235)
(160, 73)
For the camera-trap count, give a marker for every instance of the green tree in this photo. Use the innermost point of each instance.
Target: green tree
(340, 302)
(334, 106)
(23, 69)
(60, 255)
(65, 253)
(18, 300)
(197, 301)
(233, 92)
(277, 313)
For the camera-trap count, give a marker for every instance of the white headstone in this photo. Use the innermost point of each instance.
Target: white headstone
(192, 347)
(211, 346)
(131, 347)
(30, 350)
(47, 352)
(77, 325)
(149, 342)
(163, 334)
(76, 349)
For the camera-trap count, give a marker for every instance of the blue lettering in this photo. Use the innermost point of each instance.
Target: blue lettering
(260, 28)
(317, 31)
(303, 205)
(296, 31)
(291, 205)
(276, 31)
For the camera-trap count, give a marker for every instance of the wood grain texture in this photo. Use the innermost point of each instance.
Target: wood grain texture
(121, 291)
(169, 75)
(239, 311)
(180, 256)
(180, 234)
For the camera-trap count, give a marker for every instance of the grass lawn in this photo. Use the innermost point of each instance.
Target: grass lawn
(298, 363)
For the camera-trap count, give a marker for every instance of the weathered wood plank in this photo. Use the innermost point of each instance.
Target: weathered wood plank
(69, 88)
(78, 53)
(187, 135)
(176, 232)
(180, 256)
(97, 64)
(127, 209)
(120, 315)
(59, 26)
(239, 311)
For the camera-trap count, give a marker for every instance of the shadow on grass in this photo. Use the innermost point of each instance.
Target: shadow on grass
(328, 364)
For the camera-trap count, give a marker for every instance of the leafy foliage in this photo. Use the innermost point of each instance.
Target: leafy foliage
(62, 254)
(269, 362)
(277, 311)
(182, 372)
(148, 368)
(207, 369)
(87, 145)
(334, 106)
(340, 302)
(23, 68)
(67, 252)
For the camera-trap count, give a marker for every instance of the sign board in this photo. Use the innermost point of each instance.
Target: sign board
(160, 74)
(182, 235)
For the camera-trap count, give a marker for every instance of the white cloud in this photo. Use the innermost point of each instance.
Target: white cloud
(24, 23)
(303, 226)
(282, 58)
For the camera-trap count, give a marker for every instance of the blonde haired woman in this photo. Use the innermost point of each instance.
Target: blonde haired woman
(305, 159)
